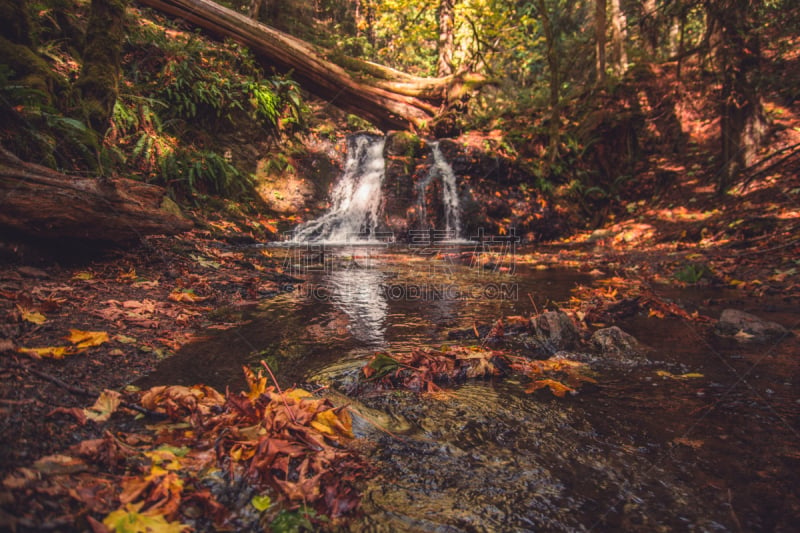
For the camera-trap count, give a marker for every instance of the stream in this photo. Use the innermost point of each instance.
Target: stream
(641, 451)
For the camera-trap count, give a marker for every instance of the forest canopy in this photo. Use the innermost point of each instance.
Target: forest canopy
(557, 78)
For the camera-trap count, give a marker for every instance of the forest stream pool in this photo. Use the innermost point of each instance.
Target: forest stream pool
(641, 451)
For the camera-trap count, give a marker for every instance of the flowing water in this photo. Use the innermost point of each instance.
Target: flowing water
(356, 197)
(451, 204)
(637, 452)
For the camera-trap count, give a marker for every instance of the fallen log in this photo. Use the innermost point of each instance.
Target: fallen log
(388, 98)
(40, 202)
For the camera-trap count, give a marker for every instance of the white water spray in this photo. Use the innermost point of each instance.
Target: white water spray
(356, 198)
(452, 206)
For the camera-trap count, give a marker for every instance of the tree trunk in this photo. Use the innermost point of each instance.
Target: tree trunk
(554, 66)
(98, 84)
(37, 201)
(446, 28)
(600, 40)
(742, 118)
(619, 56)
(392, 101)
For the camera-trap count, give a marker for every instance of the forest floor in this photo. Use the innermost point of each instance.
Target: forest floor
(73, 329)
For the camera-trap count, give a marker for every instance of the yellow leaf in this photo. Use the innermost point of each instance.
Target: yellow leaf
(257, 383)
(297, 394)
(688, 375)
(130, 520)
(83, 276)
(106, 404)
(186, 296)
(334, 423)
(52, 352)
(34, 317)
(87, 339)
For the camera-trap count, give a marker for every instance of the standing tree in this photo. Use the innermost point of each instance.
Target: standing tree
(98, 84)
(600, 40)
(444, 66)
(738, 56)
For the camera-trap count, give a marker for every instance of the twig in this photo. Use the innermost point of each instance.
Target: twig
(535, 309)
(277, 386)
(80, 391)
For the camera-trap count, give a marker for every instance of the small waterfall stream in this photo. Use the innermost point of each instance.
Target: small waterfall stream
(452, 206)
(355, 215)
(356, 198)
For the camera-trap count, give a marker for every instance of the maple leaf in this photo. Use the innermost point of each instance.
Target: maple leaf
(87, 339)
(52, 352)
(334, 422)
(556, 387)
(256, 382)
(106, 404)
(130, 520)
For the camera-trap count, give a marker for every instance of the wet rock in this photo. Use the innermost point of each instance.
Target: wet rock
(745, 326)
(553, 331)
(615, 342)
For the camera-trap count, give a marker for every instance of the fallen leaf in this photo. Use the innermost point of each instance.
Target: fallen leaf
(59, 464)
(334, 423)
(186, 296)
(34, 317)
(86, 339)
(107, 403)
(261, 502)
(556, 387)
(130, 520)
(52, 352)
(688, 375)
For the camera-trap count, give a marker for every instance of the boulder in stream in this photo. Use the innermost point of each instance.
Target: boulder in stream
(612, 341)
(747, 327)
(552, 331)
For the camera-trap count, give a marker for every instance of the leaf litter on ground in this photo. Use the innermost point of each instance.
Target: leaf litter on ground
(287, 450)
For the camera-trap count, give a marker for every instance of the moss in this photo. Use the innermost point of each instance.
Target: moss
(30, 69)
(15, 22)
(97, 87)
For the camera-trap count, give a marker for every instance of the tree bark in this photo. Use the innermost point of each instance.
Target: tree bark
(98, 84)
(444, 66)
(600, 40)
(742, 118)
(39, 202)
(392, 100)
(619, 56)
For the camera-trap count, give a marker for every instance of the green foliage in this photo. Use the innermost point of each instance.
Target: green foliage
(692, 273)
(187, 173)
(39, 132)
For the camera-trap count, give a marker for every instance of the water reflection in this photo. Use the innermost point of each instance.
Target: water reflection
(358, 292)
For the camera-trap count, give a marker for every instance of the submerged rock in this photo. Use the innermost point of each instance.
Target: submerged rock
(615, 342)
(744, 326)
(553, 331)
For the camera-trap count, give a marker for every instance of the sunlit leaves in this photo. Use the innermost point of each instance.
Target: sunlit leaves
(106, 404)
(130, 520)
(87, 339)
(34, 317)
(81, 340)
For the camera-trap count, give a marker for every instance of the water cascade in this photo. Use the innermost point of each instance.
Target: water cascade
(356, 197)
(452, 206)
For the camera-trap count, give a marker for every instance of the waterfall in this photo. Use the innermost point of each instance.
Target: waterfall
(356, 197)
(452, 206)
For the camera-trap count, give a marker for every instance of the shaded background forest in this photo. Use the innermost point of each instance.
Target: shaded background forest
(596, 103)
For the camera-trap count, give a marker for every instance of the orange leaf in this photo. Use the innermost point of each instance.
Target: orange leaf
(556, 387)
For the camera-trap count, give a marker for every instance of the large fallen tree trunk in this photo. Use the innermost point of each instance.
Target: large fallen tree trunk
(40, 202)
(388, 98)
